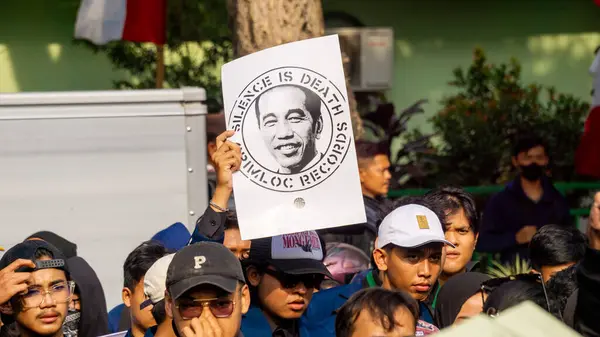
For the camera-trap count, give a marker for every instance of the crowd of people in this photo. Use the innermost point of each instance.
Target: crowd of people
(407, 271)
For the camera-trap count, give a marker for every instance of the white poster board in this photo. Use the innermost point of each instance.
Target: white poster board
(289, 109)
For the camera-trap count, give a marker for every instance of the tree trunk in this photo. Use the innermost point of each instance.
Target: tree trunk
(260, 24)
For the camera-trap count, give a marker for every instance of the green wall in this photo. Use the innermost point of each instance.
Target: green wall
(554, 40)
(37, 53)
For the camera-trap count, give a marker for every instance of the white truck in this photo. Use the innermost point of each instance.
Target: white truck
(104, 169)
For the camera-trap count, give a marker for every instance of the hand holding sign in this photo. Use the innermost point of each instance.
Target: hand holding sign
(227, 159)
(298, 169)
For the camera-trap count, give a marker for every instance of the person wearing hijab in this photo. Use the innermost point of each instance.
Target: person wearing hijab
(460, 298)
(92, 316)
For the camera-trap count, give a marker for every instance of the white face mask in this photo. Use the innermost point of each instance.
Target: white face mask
(71, 324)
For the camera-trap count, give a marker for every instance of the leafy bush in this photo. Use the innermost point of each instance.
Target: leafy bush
(492, 106)
(497, 269)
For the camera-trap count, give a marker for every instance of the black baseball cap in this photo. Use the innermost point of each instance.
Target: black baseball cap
(203, 263)
(28, 249)
(295, 254)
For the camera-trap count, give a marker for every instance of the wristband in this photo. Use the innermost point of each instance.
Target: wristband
(218, 207)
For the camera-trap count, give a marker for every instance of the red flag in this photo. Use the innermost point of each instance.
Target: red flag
(101, 21)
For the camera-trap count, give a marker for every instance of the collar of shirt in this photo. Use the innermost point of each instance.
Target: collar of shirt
(287, 330)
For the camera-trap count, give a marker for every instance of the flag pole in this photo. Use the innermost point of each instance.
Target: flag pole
(160, 65)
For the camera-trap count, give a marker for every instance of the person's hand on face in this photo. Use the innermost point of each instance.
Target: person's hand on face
(204, 326)
(227, 159)
(525, 234)
(13, 282)
(44, 306)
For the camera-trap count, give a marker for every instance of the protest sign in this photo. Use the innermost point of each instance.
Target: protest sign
(289, 109)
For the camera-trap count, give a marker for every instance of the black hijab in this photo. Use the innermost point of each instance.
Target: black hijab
(455, 292)
(68, 248)
(94, 318)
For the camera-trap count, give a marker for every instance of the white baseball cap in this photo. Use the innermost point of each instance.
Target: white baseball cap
(411, 226)
(155, 281)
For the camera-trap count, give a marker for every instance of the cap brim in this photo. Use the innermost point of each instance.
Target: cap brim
(301, 267)
(414, 242)
(226, 283)
(146, 304)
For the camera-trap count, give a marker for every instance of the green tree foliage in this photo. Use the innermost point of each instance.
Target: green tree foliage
(198, 42)
(490, 109)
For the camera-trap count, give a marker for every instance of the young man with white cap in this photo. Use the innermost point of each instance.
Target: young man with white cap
(408, 256)
(206, 292)
(154, 289)
(283, 272)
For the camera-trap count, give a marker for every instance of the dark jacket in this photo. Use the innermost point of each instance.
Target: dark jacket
(432, 299)
(94, 318)
(510, 210)
(254, 323)
(118, 319)
(209, 227)
(362, 235)
(588, 298)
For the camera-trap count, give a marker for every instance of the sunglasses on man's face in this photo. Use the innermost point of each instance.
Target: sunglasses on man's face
(490, 285)
(192, 308)
(289, 281)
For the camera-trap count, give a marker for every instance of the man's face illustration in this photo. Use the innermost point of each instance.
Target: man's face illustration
(288, 129)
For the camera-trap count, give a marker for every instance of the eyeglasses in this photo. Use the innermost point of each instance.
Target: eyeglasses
(289, 281)
(192, 308)
(491, 284)
(59, 293)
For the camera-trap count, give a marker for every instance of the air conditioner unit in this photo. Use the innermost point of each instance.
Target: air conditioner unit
(371, 53)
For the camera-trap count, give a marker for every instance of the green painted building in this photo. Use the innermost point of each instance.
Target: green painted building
(553, 39)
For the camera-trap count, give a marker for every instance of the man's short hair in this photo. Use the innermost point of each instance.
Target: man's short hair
(525, 143)
(555, 245)
(367, 150)
(312, 102)
(140, 260)
(453, 199)
(513, 293)
(381, 304)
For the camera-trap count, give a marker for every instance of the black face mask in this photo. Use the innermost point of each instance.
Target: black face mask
(532, 172)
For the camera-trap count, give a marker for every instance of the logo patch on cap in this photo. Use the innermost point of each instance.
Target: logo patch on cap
(303, 245)
(422, 221)
(199, 261)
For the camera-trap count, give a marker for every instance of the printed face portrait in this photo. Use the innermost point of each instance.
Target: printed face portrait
(290, 122)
